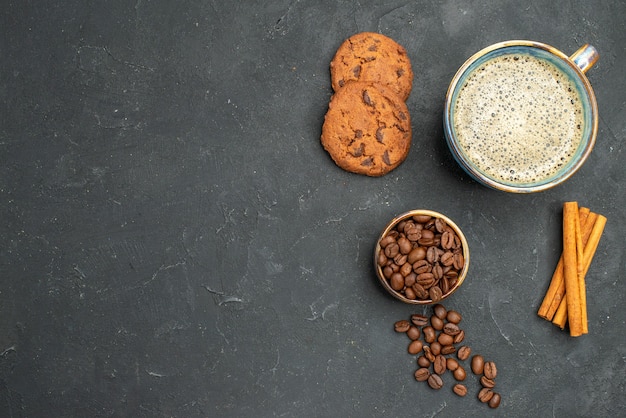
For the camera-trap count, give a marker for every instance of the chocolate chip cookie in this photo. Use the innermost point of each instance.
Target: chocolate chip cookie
(367, 129)
(374, 58)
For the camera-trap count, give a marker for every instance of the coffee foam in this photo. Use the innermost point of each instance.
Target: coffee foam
(518, 118)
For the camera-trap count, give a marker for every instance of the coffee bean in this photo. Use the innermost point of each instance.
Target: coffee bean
(447, 258)
(392, 250)
(448, 349)
(428, 353)
(451, 329)
(422, 266)
(459, 337)
(406, 269)
(487, 383)
(388, 271)
(422, 374)
(400, 259)
(432, 255)
(415, 347)
(440, 225)
(435, 293)
(463, 353)
(436, 323)
(388, 239)
(444, 284)
(402, 326)
(459, 374)
(404, 245)
(435, 348)
(420, 292)
(490, 370)
(413, 233)
(419, 320)
(485, 395)
(429, 334)
(439, 365)
(494, 402)
(422, 218)
(454, 317)
(478, 364)
(458, 261)
(452, 364)
(413, 332)
(397, 281)
(435, 381)
(422, 361)
(409, 293)
(445, 339)
(382, 259)
(410, 279)
(428, 234)
(440, 311)
(416, 255)
(437, 272)
(425, 279)
(459, 389)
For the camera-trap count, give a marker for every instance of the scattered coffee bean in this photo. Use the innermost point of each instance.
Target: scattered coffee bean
(490, 370)
(402, 326)
(439, 365)
(459, 389)
(487, 382)
(422, 361)
(448, 349)
(441, 332)
(440, 311)
(452, 364)
(454, 317)
(422, 374)
(478, 364)
(451, 329)
(435, 381)
(415, 347)
(459, 374)
(429, 334)
(463, 353)
(413, 333)
(445, 339)
(485, 395)
(494, 402)
(436, 323)
(419, 320)
(428, 353)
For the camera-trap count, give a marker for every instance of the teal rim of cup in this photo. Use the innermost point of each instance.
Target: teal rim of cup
(562, 62)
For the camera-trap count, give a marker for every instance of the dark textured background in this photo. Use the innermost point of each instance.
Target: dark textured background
(176, 242)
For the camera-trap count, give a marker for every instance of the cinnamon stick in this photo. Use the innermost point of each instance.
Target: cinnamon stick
(592, 239)
(588, 253)
(571, 225)
(560, 316)
(556, 289)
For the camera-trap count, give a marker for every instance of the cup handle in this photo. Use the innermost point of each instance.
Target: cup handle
(585, 57)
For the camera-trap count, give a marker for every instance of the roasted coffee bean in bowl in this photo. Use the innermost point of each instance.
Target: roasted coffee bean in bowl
(421, 257)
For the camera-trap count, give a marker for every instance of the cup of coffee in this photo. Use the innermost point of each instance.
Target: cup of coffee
(521, 116)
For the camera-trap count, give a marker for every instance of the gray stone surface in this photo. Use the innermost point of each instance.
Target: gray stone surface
(176, 242)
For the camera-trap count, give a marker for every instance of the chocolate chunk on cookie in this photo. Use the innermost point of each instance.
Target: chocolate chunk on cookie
(374, 58)
(367, 129)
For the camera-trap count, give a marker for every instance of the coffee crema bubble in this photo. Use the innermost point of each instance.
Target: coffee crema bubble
(518, 118)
